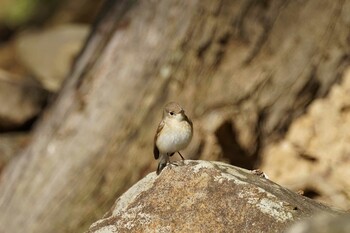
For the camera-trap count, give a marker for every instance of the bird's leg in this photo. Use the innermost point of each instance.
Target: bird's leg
(173, 163)
(181, 155)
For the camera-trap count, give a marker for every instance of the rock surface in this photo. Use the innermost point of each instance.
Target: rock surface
(316, 150)
(202, 196)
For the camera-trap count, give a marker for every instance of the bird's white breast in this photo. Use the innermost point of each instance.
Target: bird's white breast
(175, 136)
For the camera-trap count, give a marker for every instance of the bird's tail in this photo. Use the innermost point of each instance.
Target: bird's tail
(162, 163)
(160, 167)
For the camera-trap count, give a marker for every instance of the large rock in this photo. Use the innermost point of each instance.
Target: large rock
(315, 152)
(200, 196)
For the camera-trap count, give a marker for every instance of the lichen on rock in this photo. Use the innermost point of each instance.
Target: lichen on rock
(202, 196)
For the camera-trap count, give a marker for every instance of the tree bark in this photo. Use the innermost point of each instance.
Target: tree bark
(242, 69)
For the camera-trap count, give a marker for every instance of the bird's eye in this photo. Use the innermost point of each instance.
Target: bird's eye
(171, 113)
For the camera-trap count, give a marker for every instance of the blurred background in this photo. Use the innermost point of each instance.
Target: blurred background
(39, 41)
(83, 84)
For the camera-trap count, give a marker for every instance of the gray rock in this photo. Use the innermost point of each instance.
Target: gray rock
(201, 196)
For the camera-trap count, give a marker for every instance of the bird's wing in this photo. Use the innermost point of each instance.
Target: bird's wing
(155, 148)
(189, 121)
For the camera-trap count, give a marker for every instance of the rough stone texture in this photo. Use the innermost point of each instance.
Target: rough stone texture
(201, 196)
(322, 223)
(21, 99)
(314, 156)
(49, 54)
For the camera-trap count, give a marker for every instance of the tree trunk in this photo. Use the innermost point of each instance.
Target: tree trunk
(242, 70)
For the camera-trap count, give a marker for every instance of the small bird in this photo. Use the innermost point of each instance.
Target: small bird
(174, 133)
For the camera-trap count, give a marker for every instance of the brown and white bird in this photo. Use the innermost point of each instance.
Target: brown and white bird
(174, 133)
